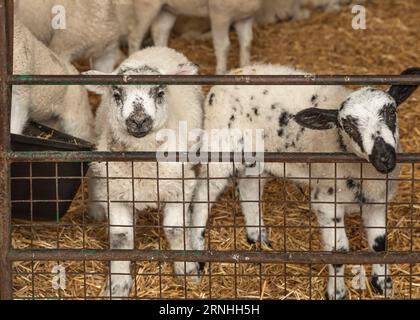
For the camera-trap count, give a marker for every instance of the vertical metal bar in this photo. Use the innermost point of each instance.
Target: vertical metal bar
(6, 69)
(235, 225)
(159, 208)
(310, 228)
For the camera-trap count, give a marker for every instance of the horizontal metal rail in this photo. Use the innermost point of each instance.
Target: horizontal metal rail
(86, 156)
(215, 79)
(217, 256)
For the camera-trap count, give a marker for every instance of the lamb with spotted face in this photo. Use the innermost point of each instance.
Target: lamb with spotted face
(311, 119)
(129, 119)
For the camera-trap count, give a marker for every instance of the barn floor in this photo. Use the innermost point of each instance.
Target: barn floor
(324, 44)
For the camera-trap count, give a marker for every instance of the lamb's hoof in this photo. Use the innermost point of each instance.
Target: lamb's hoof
(120, 287)
(190, 269)
(339, 294)
(264, 242)
(381, 285)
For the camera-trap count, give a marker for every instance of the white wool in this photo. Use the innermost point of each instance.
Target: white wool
(91, 31)
(46, 104)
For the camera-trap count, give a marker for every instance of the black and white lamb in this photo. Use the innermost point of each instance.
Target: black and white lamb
(311, 119)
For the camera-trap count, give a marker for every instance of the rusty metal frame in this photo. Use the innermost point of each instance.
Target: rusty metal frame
(7, 80)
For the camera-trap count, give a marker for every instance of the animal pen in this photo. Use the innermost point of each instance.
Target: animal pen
(294, 267)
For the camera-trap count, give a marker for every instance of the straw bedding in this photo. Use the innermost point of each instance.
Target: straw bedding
(325, 43)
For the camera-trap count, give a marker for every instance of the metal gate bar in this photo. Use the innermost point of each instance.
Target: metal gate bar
(217, 256)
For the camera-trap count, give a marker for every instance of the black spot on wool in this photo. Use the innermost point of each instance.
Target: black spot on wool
(331, 191)
(351, 184)
(379, 245)
(356, 187)
(256, 111)
(314, 100)
(231, 121)
(211, 99)
(284, 119)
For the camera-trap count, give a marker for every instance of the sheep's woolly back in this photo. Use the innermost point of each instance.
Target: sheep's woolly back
(47, 102)
(91, 26)
(271, 108)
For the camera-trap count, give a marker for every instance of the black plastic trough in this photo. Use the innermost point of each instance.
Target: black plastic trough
(45, 191)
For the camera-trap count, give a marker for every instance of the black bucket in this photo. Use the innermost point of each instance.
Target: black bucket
(45, 191)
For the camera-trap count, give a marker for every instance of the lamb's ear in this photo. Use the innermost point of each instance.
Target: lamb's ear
(186, 69)
(402, 93)
(317, 119)
(96, 88)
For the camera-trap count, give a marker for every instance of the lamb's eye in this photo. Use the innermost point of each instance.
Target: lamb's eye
(160, 96)
(392, 114)
(117, 95)
(349, 129)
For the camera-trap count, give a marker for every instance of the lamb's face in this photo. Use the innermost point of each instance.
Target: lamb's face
(140, 109)
(368, 123)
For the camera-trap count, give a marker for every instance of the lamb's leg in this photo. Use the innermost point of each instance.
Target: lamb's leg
(146, 12)
(245, 34)
(162, 27)
(374, 219)
(20, 110)
(121, 237)
(221, 41)
(108, 60)
(207, 191)
(96, 206)
(250, 193)
(177, 230)
(333, 233)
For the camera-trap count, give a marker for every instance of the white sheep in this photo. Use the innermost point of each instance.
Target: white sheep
(363, 122)
(75, 29)
(66, 108)
(160, 16)
(136, 118)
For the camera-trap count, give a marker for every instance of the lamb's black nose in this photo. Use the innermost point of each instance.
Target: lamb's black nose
(383, 157)
(139, 126)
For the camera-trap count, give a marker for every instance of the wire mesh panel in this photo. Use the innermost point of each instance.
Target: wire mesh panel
(278, 268)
